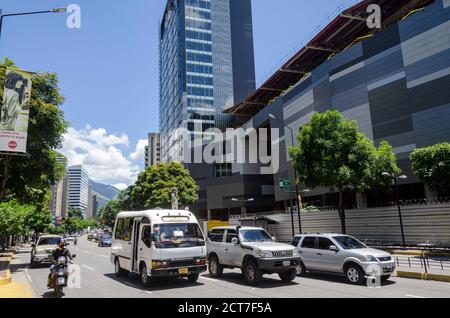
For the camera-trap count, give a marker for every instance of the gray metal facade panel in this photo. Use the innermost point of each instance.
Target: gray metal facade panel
(384, 67)
(406, 138)
(430, 95)
(346, 57)
(420, 22)
(428, 65)
(298, 89)
(432, 126)
(389, 102)
(349, 81)
(394, 127)
(381, 42)
(354, 97)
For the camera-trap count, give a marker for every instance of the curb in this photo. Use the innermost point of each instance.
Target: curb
(6, 279)
(424, 276)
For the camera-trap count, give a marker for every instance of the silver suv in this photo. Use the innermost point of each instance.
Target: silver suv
(253, 250)
(342, 254)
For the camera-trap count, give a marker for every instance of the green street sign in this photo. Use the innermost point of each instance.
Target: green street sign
(285, 184)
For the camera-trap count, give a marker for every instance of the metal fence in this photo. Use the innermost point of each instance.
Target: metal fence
(424, 263)
(429, 223)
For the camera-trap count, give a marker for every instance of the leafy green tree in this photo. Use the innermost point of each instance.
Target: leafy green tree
(39, 221)
(109, 212)
(385, 161)
(75, 213)
(332, 153)
(154, 187)
(432, 166)
(28, 179)
(13, 220)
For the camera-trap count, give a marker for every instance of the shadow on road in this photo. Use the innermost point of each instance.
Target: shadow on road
(266, 283)
(132, 280)
(338, 279)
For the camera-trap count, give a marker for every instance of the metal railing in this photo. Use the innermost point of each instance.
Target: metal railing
(422, 262)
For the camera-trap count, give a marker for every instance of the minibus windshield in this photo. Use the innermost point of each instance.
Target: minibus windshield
(178, 235)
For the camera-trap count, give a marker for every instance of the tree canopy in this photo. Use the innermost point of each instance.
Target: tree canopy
(432, 166)
(331, 153)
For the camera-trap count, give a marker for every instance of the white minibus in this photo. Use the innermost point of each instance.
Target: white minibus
(158, 243)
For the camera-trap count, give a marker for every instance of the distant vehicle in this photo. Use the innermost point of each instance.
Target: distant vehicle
(70, 238)
(41, 251)
(343, 255)
(253, 250)
(160, 243)
(104, 240)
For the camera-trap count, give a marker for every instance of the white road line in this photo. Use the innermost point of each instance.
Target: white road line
(88, 267)
(210, 279)
(28, 275)
(415, 296)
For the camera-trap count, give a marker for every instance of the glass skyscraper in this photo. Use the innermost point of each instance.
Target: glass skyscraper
(206, 66)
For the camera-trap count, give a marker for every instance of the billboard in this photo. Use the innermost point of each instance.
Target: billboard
(15, 111)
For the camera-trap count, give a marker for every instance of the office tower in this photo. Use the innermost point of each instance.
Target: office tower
(78, 188)
(153, 150)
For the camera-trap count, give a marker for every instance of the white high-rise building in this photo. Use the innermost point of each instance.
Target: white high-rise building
(78, 188)
(153, 150)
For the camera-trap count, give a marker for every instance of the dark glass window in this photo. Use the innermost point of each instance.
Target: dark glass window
(216, 235)
(324, 243)
(309, 242)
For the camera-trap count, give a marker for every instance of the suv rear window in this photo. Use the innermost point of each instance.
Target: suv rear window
(295, 241)
(216, 235)
(309, 242)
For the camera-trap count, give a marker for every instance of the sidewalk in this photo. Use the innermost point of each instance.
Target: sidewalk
(437, 268)
(20, 286)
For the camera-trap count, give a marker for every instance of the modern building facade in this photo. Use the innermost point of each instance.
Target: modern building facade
(59, 198)
(78, 193)
(206, 66)
(153, 150)
(394, 81)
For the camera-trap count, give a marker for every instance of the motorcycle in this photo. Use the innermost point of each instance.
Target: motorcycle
(59, 276)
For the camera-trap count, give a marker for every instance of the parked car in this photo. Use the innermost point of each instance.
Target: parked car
(253, 250)
(41, 251)
(343, 255)
(104, 240)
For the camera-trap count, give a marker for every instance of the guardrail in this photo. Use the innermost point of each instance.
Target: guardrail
(424, 263)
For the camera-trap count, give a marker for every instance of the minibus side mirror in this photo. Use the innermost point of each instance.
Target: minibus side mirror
(235, 241)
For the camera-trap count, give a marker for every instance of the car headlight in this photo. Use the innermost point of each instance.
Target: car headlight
(265, 254)
(371, 258)
(296, 253)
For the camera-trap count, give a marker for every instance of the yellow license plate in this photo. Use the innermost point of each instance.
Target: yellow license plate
(183, 271)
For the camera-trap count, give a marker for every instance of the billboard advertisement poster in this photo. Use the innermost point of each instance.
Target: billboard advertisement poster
(15, 111)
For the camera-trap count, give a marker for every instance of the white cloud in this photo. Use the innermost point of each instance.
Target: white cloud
(102, 156)
(139, 153)
(121, 186)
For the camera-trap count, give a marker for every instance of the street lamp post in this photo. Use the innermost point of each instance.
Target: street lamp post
(297, 192)
(397, 196)
(243, 210)
(57, 10)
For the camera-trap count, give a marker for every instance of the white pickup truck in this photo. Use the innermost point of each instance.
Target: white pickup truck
(253, 250)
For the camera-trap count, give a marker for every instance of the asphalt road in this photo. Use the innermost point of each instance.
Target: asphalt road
(98, 281)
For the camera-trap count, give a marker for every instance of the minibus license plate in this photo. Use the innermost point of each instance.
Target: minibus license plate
(183, 271)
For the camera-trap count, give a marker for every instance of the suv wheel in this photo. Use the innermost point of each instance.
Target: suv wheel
(215, 269)
(354, 274)
(288, 276)
(252, 274)
(300, 269)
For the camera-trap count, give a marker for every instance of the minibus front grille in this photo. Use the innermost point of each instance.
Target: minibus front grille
(182, 262)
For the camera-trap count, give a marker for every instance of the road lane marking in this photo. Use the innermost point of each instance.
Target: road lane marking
(88, 267)
(415, 296)
(28, 275)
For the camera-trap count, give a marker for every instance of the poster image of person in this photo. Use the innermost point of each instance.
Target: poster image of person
(16, 101)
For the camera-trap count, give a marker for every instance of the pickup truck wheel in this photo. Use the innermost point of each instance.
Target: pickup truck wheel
(354, 274)
(300, 269)
(252, 274)
(215, 269)
(288, 276)
(193, 278)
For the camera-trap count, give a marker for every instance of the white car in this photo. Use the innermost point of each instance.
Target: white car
(43, 248)
(342, 254)
(253, 250)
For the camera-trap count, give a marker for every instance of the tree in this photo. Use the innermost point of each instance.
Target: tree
(28, 179)
(13, 220)
(154, 187)
(75, 213)
(385, 161)
(432, 166)
(332, 153)
(39, 221)
(109, 212)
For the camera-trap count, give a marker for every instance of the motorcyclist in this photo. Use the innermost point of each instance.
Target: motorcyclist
(60, 251)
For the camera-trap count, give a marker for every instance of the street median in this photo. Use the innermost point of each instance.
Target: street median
(424, 276)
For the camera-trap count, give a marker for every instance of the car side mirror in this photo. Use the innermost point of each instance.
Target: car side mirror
(235, 241)
(334, 248)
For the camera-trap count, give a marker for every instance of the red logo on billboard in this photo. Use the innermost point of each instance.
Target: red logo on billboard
(12, 145)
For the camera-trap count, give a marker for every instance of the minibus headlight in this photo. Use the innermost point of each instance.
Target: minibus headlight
(159, 264)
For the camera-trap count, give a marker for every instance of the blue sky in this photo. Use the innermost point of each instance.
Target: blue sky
(108, 69)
